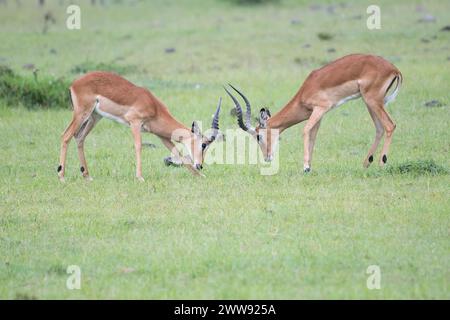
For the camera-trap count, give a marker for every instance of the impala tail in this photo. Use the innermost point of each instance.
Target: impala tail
(393, 95)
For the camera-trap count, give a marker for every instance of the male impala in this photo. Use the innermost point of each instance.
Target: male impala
(103, 94)
(350, 77)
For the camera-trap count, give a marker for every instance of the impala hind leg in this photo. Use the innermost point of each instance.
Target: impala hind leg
(377, 107)
(80, 136)
(379, 132)
(389, 127)
(65, 139)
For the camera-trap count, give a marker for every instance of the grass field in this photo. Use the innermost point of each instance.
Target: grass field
(236, 233)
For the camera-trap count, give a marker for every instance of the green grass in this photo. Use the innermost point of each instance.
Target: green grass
(236, 233)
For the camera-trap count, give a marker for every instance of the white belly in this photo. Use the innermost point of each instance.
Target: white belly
(344, 100)
(116, 114)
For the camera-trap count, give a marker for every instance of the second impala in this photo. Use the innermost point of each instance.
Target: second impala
(102, 94)
(350, 77)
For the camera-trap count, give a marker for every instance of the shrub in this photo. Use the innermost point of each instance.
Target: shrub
(324, 36)
(33, 92)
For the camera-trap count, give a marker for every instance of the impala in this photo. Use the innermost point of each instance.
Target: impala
(103, 94)
(350, 77)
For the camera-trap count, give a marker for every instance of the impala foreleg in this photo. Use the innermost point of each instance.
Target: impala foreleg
(309, 136)
(312, 139)
(177, 155)
(136, 130)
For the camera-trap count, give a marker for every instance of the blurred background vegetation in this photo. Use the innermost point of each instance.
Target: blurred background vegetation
(188, 45)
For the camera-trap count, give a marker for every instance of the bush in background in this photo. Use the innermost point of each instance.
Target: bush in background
(33, 92)
(91, 66)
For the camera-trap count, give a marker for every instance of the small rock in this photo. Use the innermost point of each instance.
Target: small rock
(330, 50)
(169, 50)
(29, 66)
(306, 45)
(446, 28)
(330, 9)
(421, 8)
(427, 18)
(433, 103)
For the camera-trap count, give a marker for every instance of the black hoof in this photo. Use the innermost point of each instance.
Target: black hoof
(168, 161)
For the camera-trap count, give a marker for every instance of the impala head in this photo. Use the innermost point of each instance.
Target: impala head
(262, 132)
(201, 143)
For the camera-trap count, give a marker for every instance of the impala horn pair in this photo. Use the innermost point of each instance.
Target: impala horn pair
(247, 126)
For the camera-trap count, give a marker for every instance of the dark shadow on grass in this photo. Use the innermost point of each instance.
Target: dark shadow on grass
(413, 168)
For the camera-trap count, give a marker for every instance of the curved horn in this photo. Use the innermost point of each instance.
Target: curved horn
(215, 122)
(239, 114)
(248, 113)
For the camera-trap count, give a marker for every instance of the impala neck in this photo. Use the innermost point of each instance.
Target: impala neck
(291, 114)
(165, 124)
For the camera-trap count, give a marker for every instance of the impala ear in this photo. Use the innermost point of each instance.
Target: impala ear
(195, 128)
(264, 115)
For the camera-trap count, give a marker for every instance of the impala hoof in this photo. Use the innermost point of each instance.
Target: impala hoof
(140, 179)
(168, 161)
(88, 178)
(61, 179)
(307, 170)
(368, 162)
